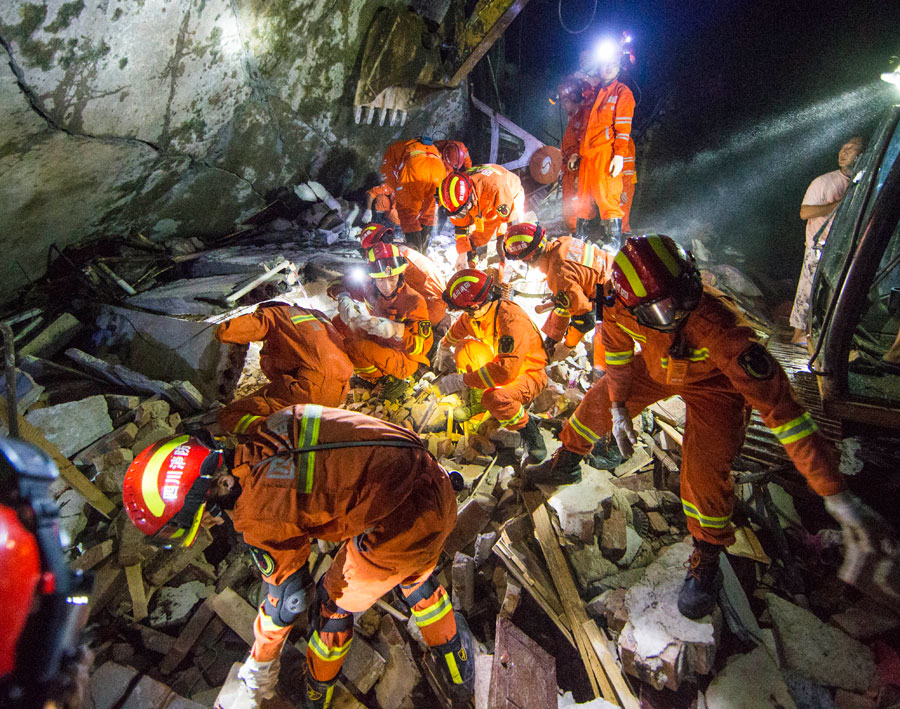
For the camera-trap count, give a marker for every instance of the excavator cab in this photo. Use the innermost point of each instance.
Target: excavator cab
(855, 301)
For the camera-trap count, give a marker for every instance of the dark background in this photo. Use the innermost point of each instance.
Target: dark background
(741, 103)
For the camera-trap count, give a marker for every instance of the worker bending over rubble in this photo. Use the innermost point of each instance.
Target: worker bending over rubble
(381, 206)
(421, 274)
(577, 98)
(497, 349)
(386, 329)
(302, 356)
(482, 203)
(414, 170)
(455, 154)
(695, 344)
(312, 472)
(576, 272)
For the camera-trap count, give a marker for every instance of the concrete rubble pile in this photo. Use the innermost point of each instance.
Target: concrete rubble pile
(569, 591)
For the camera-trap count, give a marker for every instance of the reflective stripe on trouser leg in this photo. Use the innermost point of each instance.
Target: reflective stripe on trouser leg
(433, 615)
(330, 642)
(372, 361)
(507, 403)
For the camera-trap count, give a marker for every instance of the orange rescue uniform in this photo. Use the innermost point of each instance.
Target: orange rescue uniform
(608, 133)
(414, 170)
(392, 507)
(629, 178)
(374, 357)
(516, 374)
(499, 200)
(302, 356)
(721, 372)
(463, 153)
(572, 208)
(424, 278)
(384, 202)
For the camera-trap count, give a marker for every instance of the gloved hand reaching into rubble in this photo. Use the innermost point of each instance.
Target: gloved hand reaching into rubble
(623, 429)
(367, 216)
(384, 328)
(450, 384)
(258, 681)
(616, 165)
(349, 310)
(444, 361)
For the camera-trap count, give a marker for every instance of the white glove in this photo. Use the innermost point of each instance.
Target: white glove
(444, 361)
(367, 216)
(450, 384)
(623, 430)
(616, 165)
(574, 159)
(462, 261)
(259, 679)
(383, 327)
(864, 529)
(348, 309)
(560, 352)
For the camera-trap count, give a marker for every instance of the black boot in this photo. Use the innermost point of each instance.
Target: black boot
(612, 232)
(581, 228)
(564, 468)
(416, 239)
(393, 389)
(534, 441)
(698, 595)
(456, 659)
(317, 695)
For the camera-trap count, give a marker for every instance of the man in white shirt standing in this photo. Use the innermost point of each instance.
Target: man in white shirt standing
(822, 196)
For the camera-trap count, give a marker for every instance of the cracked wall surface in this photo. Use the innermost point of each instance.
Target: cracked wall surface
(180, 117)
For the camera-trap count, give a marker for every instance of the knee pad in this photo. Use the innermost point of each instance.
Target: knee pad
(583, 323)
(325, 615)
(286, 601)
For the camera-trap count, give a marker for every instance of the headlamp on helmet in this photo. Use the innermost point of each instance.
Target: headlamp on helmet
(385, 261)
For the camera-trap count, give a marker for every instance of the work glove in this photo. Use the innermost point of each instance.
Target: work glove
(367, 216)
(865, 531)
(258, 680)
(616, 165)
(623, 431)
(560, 352)
(444, 361)
(349, 310)
(574, 159)
(382, 327)
(450, 384)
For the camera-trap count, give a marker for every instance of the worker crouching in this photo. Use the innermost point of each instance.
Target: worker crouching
(312, 472)
(388, 335)
(302, 356)
(498, 350)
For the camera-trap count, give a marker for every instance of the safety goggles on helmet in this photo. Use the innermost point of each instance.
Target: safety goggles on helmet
(166, 487)
(469, 290)
(455, 192)
(524, 241)
(663, 314)
(385, 261)
(372, 234)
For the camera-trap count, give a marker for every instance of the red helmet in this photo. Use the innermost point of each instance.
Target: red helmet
(385, 261)
(20, 570)
(373, 233)
(453, 155)
(524, 241)
(573, 88)
(469, 289)
(166, 486)
(456, 192)
(656, 280)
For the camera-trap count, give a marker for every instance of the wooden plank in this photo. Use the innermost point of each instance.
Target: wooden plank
(235, 612)
(601, 648)
(671, 432)
(136, 591)
(93, 556)
(188, 636)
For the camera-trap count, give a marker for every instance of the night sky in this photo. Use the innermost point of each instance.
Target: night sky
(740, 105)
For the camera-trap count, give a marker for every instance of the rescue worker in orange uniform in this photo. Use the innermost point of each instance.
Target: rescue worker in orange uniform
(512, 370)
(694, 343)
(312, 472)
(577, 98)
(302, 355)
(629, 178)
(455, 154)
(421, 274)
(576, 272)
(482, 203)
(604, 147)
(381, 206)
(388, 337)
(414, 169)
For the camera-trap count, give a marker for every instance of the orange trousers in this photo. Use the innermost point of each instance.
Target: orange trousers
(244, 415)
(713, 434)
(557, 326)
(573, 207)
(596, 185)
(372, 360)
(627, 200)
(505, 403)
(420, 178)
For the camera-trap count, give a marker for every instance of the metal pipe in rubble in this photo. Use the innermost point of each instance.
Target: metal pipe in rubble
(12, 408)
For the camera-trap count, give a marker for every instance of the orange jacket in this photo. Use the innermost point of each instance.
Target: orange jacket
(574, 269)
(722, 354)
(463, 151)
(383, 200)
(332, 495)
(499, 198)
(575, 128)
(409, 160)
(512, 337)
(609, 120)
(408, 307)
(293, 338)
(424, 278)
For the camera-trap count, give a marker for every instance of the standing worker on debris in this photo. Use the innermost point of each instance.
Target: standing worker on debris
(498, 350)
(482, 203)
(577, 98)
(695, 344)
(576, 272)
(604, 148)
(455, 154)
(390, 337)
(302, 356)
(310, 472)
(414, 170)
(381, 206)
(421, 274)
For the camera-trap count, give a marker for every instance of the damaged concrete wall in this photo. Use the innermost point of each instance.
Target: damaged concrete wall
(165, 117)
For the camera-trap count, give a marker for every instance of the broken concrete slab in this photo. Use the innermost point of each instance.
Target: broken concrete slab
(578, 505)
(588, 563)
(193, 296)
(823, 654)
(614, 535)
(866, 620)
(73, 425)
(122, 437)
(749, 681)
(72, 519)
(658, 644)
(633, 546)
(52, 339)
(155, 430)
(113, 685)
(27, 390)
(610, 607)
(472, 517)
(173, 605)
(111, 468)
(463, 582)
(363, 666)
(400, 672)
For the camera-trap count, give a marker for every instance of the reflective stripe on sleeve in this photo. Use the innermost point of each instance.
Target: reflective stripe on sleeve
(486, 378)
(633, 335)
(794, 430)
(705, 520)
(244, 423)
(620, 357)
(365, 370)
(309, 436)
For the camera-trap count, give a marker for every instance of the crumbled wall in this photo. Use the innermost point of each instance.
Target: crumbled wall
(174, 117)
